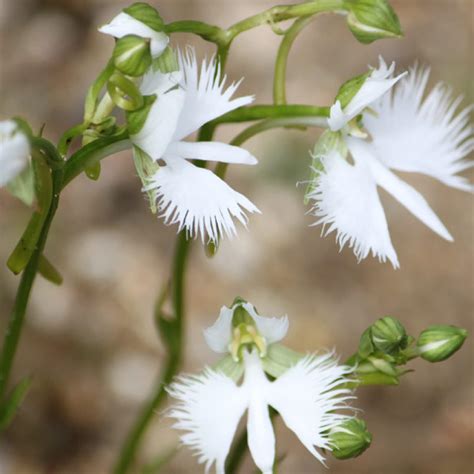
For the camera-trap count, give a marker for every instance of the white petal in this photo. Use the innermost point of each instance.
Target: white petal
(212, 151)
(160, 124)
(406, 195)
(206, 95)
(218, 336)
(261, 437)
(272, 329)
(155, 82)
(424, 136)
(14, 151)
(124, 24)
(376, 85)
(209, 409)
(198, 200)
(306, 398)
(346, 201)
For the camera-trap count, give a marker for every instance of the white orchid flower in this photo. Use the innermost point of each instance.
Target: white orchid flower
(306, 393)
(124, 24)
(14, 151)
(408, 133)
(375, 85)
(195, 198)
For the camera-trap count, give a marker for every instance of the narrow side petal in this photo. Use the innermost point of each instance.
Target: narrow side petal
(198, 201)
(307, 398)
(206, 95)
(346, 201)
(218, 336)
(273, 329)
(209, 409)
(160, 124)
(212, 151)
(429, 136)
(403, 193)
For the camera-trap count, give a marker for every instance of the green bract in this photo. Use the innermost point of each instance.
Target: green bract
(370, 20)
(146, 14)
(437, 343)
(350, 439)
(132, 55)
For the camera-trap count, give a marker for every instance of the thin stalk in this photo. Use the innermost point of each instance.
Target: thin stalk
(15, 324)
(279, 78)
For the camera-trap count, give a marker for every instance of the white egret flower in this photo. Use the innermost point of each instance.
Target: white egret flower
(307, 392)
(126, 24)
(194, 198)
(14, 151)
(407, 133)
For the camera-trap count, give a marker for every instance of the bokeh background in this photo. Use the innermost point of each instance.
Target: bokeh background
(91, 344)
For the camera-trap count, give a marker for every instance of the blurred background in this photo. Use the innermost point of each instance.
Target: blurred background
(91, 344)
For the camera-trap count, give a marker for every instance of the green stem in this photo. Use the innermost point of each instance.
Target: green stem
(15, 324)
(279, 78)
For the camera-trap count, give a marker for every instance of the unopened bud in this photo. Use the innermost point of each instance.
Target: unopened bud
(370, 20)
(388, 335)
(132, 55)
(350, 439)
(437, 343)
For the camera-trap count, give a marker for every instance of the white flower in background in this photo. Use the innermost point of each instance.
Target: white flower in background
(125, 24)
(407, 133)
(194, 198)
(306, 392)
(374, 85)
(14, 151)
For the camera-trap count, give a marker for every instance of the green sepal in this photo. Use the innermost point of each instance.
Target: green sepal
(137, 118)
(23, 186)
(123, 92)
(230, 368)
(132, 55)
(94, 91)
(146, 14)
(383, 366)
(146, 168)
(350, 88)
(9, 407)
(366, 346)
(279, 359)
(350, 439)
(44, 193)
(439, 342)
(48, 271)
(166, 62)
(370, 20)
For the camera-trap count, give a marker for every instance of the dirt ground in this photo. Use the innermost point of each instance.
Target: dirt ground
(91, 345)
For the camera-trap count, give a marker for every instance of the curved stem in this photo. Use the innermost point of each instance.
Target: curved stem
(279, 78)
(15, 324)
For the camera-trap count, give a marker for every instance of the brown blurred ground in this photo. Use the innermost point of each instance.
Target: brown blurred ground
(91, 345)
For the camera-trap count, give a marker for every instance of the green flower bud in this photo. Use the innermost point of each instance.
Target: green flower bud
(146, 14)
(388, 335)
(437, 343)
(350, 439)
(132, 55)
(370, 20)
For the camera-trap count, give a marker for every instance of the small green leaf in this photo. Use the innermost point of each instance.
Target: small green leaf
(10, 407)
(48, 271)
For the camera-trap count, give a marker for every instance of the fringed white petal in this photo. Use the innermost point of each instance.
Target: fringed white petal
(423, 135)
(206, 95)
(307, 398)
(401, 191)
(14, 151)
(346, 201)
(198, 200)
(212, 151)
(160, 124)
(272, 329)
(218, 336)
(124, 24)
(209, 409)
(376, 85)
